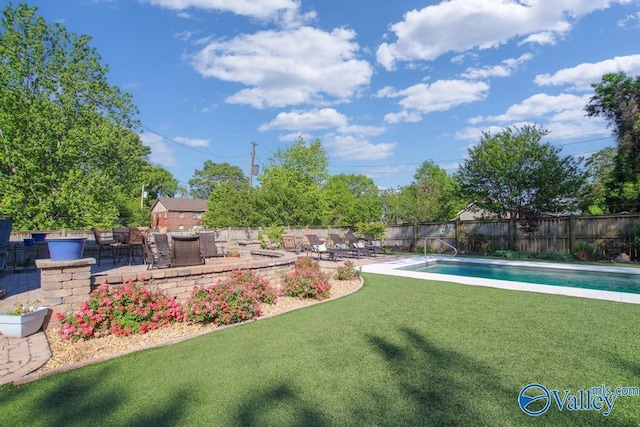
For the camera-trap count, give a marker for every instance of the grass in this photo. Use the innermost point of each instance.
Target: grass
(398, 352)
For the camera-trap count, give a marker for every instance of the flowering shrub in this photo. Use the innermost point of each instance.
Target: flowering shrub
(222, 303)
(120, 310)
(347, 271)
(261, 288)
(307, 281)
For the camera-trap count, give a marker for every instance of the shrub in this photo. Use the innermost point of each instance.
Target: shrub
(347, 271)
(556, 256)
(512, 254)
(120, 310)
(221, 303)
(307, 281)
(261, 288)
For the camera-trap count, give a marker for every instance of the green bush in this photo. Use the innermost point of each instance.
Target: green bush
(307, 281)
(512, 254)
(556, 256)
(347, 271)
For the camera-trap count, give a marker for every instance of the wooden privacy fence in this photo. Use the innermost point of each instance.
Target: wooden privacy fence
(602, 237)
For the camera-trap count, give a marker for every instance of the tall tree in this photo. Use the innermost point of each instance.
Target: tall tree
(446, 191)
(516, 176)
(68, 145)
(600, 168)
(352, 199)
(617, 99)
(291, 184)
(211, 175)
(231, 205)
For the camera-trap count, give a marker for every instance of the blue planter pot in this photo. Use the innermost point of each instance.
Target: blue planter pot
(38, 237)
(66, 249)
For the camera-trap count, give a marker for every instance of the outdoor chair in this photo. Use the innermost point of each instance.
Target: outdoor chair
(105, 243)
(371, 241)
(290, 244)
(360, 245)
(208, 247)
(162, 243)
(185, 251)
(268, 243)
(340, 244)
(134, 243)
(320, 248)
(155, 257)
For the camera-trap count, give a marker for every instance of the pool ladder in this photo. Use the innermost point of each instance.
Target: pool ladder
(455, 251)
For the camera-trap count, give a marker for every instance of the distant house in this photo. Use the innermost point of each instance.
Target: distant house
(475, 212)
(177, 214)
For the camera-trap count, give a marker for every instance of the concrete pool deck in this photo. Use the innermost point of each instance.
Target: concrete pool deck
(394, 268)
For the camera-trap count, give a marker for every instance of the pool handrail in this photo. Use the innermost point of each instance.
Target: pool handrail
(455, 251)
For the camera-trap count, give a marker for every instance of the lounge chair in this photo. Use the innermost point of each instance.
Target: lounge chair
(208, 247)
(268, 243)
(346, 248)
(357, 243)
(157, 257)
(372, 241)
(290, 244)
(320, 248)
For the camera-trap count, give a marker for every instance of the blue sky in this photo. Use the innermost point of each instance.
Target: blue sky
(384, 85)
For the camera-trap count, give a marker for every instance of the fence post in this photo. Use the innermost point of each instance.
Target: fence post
(572, 233)
(512, 234)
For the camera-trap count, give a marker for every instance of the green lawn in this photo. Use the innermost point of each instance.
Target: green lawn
(398, 352)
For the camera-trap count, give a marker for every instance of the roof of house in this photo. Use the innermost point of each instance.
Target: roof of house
(182, 205)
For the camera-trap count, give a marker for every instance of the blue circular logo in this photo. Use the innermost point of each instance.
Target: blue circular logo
(533, 396)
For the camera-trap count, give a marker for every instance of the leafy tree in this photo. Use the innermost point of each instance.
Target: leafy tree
(291, 185)
(617, 99)
(211, 175)
(446, 196)
(351, 199)
(68, 147)
(231, 204)
(391, 211)
(600, 167)
(516, 176)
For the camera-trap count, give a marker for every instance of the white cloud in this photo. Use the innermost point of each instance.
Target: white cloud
(461, 25)
(263, 9)
(440, 95)
(160, 151)
(504, 69)
(305, 121)
(351, 147)
(582, 76)
(403, 116)
(285, 68)
(192, 142)
(563, 115)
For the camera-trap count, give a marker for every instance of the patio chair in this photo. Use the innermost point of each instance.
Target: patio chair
(134, 243)
(268, 243)
(371, 241)
(162, 243)
(340, 244)
(186, 251)
(6, 224)
(155, 257)
(290, 244)
(320, 248)
(105, 243)
(360, 245)
(208, 247)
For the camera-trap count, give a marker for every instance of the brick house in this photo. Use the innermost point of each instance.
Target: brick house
(177, 214)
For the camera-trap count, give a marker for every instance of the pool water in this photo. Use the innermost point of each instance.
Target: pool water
(605, 281)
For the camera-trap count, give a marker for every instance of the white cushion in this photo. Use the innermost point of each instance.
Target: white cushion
(377, 243)
(321, 248)
(360, 245)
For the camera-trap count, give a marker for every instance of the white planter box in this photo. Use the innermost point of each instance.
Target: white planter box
(21, 326)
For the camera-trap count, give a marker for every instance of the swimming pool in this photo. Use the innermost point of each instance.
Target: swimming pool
(599, 282)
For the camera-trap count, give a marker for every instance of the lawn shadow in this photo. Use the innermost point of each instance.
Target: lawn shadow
(278, 402)
(82, 399)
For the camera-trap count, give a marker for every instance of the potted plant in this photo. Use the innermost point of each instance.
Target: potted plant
(23, 320)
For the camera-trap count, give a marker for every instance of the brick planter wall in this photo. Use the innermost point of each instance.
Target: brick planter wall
(65, 285)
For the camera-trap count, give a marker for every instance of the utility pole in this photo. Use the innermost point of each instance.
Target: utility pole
(252, 171)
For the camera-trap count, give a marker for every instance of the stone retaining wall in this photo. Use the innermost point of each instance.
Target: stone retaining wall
(65, 285)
